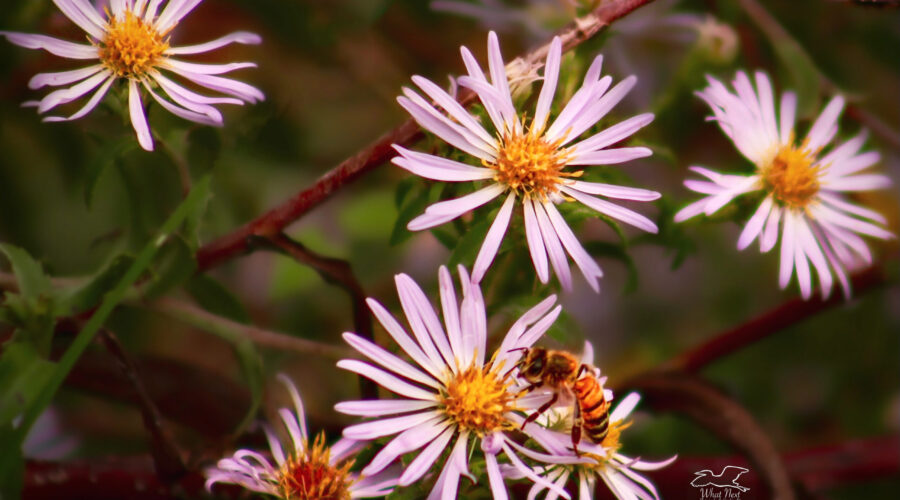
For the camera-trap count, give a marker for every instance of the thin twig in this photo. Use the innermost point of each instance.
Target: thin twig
(207, 321)
(761, 327)
(377, 153)
(339, 272)
(166, 456)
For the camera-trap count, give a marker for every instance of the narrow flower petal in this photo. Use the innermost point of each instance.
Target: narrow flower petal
(493, 239)
(52, 45)
(138, 119)
(385, 380)
(613, 210)
(242, 37)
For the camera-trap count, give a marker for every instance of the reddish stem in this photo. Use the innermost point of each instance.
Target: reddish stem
(783, 316)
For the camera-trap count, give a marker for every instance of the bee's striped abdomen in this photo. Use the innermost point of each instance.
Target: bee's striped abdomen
(594, 408)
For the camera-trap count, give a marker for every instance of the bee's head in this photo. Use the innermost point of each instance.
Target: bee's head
(531, 364)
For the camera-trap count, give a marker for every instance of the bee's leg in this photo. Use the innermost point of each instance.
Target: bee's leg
(531, 387)
(576, 428)
(581, 370)
(544, 407)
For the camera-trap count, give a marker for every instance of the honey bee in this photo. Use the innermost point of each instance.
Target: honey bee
(564, 373)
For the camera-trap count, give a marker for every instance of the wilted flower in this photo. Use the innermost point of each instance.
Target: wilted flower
(527, 161)
(314, 472)
(453, 396)
(130, 41)
(803, 187)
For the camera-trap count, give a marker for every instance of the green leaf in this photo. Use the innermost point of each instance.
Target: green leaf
(204, 146)
(12, 467)
(215, 298)
(34, 408)
(89, 295)
(175, 264)
(413, 208)
(29, 273)
(23, 375)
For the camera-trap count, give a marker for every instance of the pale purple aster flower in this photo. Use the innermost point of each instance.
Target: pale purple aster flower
(804, 188)
(527, 161)
(452, 396)
(130, 41)
(302, 469)
(620, 473)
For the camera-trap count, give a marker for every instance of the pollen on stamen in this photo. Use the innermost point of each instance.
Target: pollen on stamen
(131, 46)
(478, 399)
(311, 476)
(530, 165)
(791, 176)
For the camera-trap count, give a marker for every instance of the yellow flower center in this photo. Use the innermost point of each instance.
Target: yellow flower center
(530, 165)
(791, 176)
(312, 477)
(478, 399)
(131, 46)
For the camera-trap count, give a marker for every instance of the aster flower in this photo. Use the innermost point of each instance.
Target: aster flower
(314, 472)
(451, 396)
(620, 473)
(527, 161)
(803, 187)
(130, 42)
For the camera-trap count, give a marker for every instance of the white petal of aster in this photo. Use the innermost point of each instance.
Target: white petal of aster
(118, 9)
(575, 108)
(813, 252)
(842, 240)
(512, 340)
(589, 268)
(138, 119)
(75, 14)
(452, 133)
(539, 328)
(215, 120)
(473, 320)
(694, 209)
(389, 361)
(861, 182)
(63, 77)
(424, 460)
(650, 466)
(63, 96)
(456, 207)
(495, 478)
(836, 265)
(839, 204)
(787, 250)
(554, 248)
(385, 380)
(89, 105)
(152, 10)
(845, 151)
(613, 210)
(755, 225)
(825, 125)
(274, 444)
(174, 12)
(402, 339)
(446, 485)
(625, 407)
(704, 187)
(438, 168)
(297, 436)
(535, 242)
(226, 86)
(177, 66)
(770, 233)
(551, 75)
(612, 135)
(450, 311)
(597, 110)
(718, 201)
(492, 239)
(837, 169)
(594, 70)
(454, 109)
(423, 321)
(824, 213)
(489, 93)
(241, 37)
(385, 427)
(767, 107)
(529, 473)
(188, 98)
(613, 191)
(500, 81)
(610, 156)
(474, 70)
(412, 437)
(299, 413)
(788, 113)
(381, 407)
